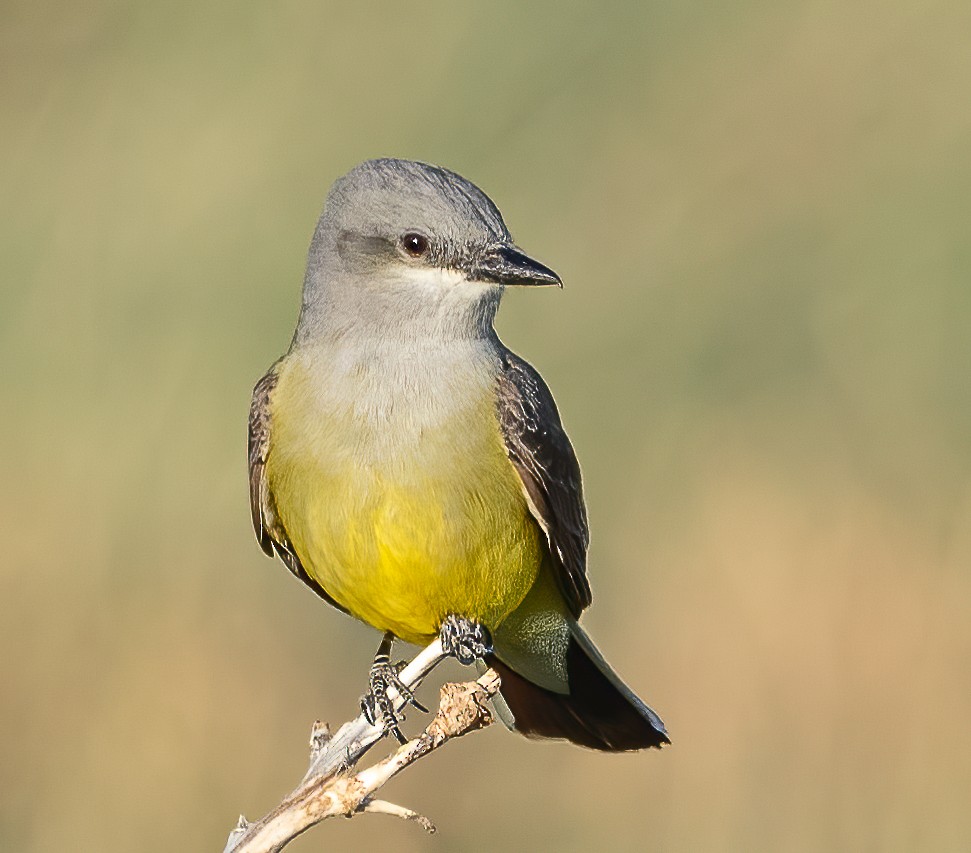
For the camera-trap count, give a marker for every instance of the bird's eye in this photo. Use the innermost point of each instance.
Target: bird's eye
(414, 244)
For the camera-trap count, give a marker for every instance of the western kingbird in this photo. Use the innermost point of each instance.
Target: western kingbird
(414, 472)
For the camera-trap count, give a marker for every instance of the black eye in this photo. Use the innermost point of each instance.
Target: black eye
(414, 244)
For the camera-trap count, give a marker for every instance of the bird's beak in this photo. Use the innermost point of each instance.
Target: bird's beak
(505, 264)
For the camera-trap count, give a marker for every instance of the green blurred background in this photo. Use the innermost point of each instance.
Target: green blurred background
(762, 213)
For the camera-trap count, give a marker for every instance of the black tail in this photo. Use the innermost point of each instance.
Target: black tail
(599, 712)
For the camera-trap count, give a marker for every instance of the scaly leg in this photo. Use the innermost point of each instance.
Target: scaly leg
(376, 703)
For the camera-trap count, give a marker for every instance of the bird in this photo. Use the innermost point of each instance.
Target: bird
(415, 473)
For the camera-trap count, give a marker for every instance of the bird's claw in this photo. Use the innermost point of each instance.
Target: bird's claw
(465, 640)
(377, 705)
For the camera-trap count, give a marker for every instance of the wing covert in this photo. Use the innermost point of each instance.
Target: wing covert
(542, 454)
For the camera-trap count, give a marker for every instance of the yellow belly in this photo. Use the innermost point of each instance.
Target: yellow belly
(403, 531)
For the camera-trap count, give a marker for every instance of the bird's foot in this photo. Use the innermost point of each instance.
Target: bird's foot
(465, 640)
(377, 704)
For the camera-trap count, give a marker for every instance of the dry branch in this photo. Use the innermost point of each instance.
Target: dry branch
(331, 788)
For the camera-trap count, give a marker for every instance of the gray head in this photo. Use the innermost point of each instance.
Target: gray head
(407, 249)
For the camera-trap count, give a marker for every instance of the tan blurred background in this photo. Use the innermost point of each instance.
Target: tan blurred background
(762, 213)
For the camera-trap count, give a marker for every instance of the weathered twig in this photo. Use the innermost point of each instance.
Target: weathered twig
(330, 788)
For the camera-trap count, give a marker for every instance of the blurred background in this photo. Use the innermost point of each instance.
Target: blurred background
(762, 353)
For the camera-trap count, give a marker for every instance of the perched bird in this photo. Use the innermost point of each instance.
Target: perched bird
(414, 472)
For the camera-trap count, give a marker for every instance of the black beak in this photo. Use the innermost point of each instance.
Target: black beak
(505, 264)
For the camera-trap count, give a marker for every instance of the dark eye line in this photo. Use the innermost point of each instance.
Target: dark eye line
(354, 242)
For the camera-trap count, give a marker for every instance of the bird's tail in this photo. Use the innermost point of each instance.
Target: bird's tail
(600, 711)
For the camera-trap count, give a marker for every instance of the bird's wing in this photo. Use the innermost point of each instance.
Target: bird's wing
(542, 455)
(270, 532)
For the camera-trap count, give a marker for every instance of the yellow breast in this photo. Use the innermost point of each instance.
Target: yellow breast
(404, 511)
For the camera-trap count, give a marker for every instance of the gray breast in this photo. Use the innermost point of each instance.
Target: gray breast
(393, 397)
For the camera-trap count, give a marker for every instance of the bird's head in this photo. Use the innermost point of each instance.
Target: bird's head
(410, 247)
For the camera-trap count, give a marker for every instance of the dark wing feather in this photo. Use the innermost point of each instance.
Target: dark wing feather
(543, 456)
(270, 532)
